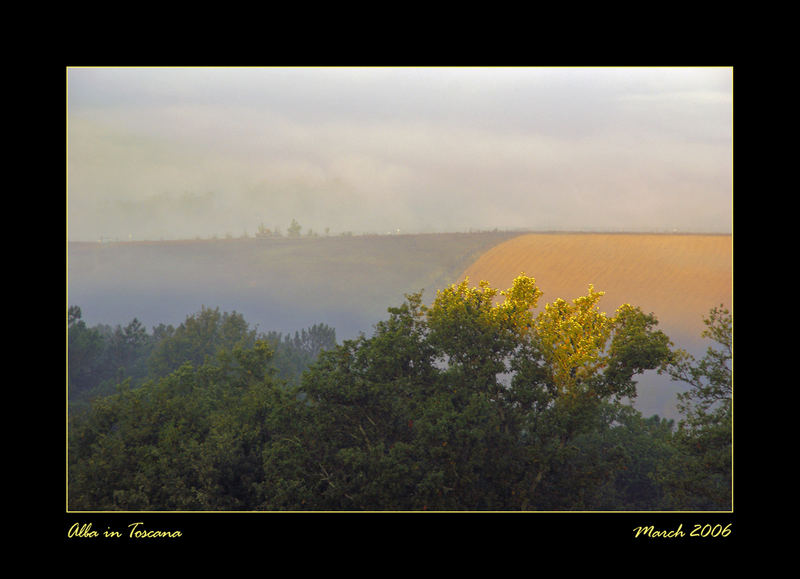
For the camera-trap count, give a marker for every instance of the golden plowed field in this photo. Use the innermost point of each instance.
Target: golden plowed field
(677, 277)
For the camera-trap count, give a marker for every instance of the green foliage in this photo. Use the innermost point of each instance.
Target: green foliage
(201, 335)
(471, 403)
(101, 358)
(192, 440)
(295, 353)
(476, 402)
(85, 347)
(702, 479)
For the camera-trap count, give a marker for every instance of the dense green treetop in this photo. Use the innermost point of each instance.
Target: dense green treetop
(473, 402)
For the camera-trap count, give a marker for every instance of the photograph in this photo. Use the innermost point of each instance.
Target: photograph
(399, 293)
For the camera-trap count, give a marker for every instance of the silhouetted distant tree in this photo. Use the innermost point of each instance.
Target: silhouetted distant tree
(294, 229)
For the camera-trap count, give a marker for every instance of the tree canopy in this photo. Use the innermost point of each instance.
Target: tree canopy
(473, 402)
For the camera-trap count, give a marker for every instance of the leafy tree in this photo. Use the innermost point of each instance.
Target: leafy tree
(705, 434)
(474, 335)
(571, 376)
(101, 357)
(85, 348)
(127, 349)
(294, 229)
(614, 466)
(295, 353)
(474, 402)
(362, 395)
(193, 439)
(200, 336)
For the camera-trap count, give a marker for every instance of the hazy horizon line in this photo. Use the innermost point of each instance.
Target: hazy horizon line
(398, 233)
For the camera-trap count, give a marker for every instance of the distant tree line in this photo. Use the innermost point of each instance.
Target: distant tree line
(471, 403)
(294, 230)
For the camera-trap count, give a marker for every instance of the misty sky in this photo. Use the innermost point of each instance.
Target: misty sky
(166, 153)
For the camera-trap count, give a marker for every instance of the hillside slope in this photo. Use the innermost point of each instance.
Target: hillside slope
(282, 284)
